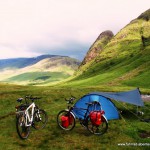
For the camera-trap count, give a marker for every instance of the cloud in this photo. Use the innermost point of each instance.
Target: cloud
(29, 28)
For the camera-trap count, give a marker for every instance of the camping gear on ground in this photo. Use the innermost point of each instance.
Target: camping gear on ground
(70, 119)
(93, 120)
(87, 107)
(107, 105)
(131, 97)
(104, 98)
(65, 121)
(95, 117)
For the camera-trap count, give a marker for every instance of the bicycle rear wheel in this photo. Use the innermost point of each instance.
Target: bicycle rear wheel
(97, 129)
(70, 122)
(40, 119)
(22, 130)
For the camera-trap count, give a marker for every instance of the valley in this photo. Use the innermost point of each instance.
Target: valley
(42, 70)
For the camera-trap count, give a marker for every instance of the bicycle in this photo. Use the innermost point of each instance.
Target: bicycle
(28, 115)
(66, 118)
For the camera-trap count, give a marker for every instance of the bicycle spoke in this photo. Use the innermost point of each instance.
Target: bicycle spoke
(68, 124)
(22, 131)
(98, 129)
(40, 119)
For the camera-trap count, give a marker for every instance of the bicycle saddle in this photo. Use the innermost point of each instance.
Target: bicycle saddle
(19, 100)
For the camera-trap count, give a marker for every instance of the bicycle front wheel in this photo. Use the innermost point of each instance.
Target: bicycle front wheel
(66, 120)
(97, 129)
(22, 130)
(40, 119)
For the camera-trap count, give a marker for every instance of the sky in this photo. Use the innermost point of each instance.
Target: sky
(29, 28)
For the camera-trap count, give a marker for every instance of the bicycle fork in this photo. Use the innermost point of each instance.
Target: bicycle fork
(38, 116)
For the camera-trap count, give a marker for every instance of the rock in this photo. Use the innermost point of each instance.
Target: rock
(98, 46)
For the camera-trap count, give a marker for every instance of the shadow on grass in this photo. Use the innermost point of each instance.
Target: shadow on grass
(129, 114)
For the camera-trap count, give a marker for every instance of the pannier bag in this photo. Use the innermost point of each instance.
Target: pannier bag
(70, 119)
(95, 117)
(65, 121)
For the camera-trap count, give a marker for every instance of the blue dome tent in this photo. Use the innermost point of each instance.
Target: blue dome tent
(111, 112)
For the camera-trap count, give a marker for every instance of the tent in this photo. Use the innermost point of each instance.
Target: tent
(111, 112)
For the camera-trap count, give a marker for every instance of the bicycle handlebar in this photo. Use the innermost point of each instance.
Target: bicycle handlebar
(32, 98)
(70, 101)
(29, 98)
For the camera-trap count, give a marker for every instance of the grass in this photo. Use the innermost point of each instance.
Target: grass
(41, 70)
(125, 130)
(123, 65)
(124, 62)
(37, 78)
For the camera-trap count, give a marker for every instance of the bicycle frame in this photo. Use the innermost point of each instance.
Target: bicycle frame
(28, 116)
(29, 119)
(70, 109)
(85, 115)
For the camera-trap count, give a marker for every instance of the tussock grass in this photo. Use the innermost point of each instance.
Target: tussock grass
(52, 137)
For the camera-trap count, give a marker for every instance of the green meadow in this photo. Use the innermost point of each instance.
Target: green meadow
(37, 78)
(122, 65)
(128, 129)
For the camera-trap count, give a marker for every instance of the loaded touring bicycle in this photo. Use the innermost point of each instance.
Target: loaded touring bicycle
(92, 117)
(28, 115)
(95, 109)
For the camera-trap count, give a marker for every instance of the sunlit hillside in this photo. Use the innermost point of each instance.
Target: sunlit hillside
(124, 62)
(36, 71)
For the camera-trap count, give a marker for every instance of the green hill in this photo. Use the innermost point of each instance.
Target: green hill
(41, 70)
(124, 61)
(97, 47)
(23, 62)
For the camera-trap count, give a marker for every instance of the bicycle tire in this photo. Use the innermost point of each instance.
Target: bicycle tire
(59, 122)
(40, 119)
(22, 130)
(97, 129)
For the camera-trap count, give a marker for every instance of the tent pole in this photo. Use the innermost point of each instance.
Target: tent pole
(137, 110)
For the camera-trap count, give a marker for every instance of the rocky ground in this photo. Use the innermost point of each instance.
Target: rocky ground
(145, 97)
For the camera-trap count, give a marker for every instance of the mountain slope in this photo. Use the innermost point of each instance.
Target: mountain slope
(40, 70)
(97, 46)
(24, 62)
(123, 62)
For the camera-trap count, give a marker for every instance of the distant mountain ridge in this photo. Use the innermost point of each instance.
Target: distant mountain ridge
(24, 62)
(43, 69)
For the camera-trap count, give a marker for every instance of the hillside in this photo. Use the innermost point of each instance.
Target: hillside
(124, 61)
(22, 62)
(97, 47)
(43, 69)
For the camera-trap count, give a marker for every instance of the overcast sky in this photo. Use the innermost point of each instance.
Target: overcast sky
(64, 27)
